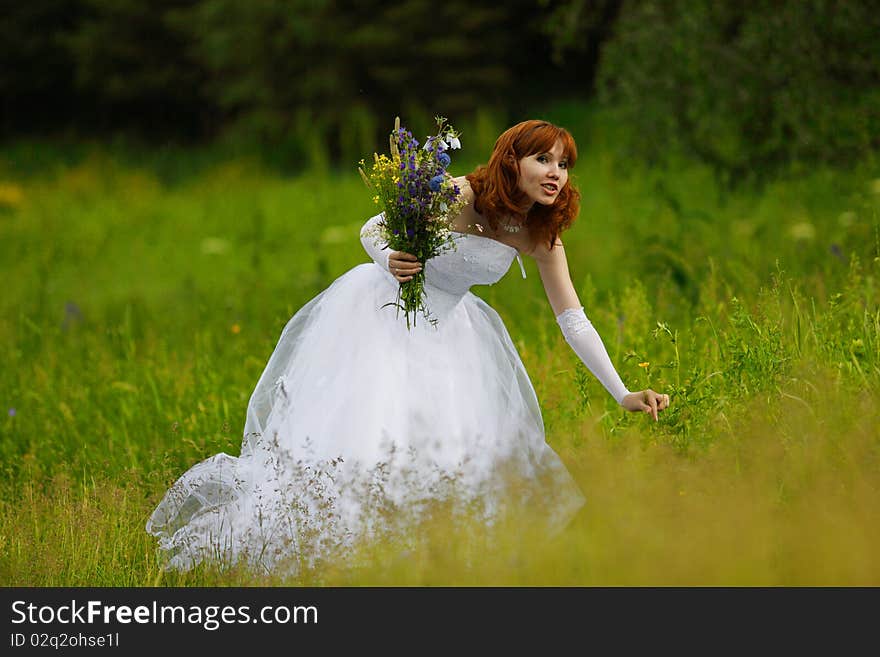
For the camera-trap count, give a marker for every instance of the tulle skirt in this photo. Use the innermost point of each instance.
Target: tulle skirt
(358, 424)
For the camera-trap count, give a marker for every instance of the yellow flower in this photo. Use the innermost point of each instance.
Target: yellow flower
(236, 328)
(802, 230)
(376, 199)
(11, 195)
(645, 365)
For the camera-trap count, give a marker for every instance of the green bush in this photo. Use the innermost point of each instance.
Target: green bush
(749, 88)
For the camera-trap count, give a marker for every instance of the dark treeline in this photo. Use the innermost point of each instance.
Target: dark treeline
(190, 69)
(743, 86)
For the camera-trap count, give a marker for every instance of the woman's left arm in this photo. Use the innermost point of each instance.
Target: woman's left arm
(582, 336)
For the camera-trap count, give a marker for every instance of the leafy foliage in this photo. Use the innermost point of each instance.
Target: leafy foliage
(748, 87)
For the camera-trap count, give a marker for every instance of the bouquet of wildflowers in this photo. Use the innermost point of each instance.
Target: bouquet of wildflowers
(419, 202)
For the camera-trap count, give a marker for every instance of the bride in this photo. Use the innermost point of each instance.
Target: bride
(358, 424)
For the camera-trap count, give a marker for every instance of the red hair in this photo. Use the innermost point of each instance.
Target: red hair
(496, 194)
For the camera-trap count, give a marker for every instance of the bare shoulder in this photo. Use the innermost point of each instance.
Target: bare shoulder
(465, 187)
(467, 218)
(544, 255)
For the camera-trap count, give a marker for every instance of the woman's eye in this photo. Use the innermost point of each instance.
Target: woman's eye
(563, 164)
(542, 159)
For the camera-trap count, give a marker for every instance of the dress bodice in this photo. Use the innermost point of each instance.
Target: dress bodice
(474, 260)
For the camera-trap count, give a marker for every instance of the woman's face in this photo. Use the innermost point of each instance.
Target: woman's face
(543, 175)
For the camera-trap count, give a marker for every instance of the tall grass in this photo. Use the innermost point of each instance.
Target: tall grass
(141, 306)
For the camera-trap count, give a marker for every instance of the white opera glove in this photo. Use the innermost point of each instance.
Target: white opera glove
(374, 245)
(585, 340)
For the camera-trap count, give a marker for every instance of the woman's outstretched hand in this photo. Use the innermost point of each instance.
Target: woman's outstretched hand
(403, 266)
(646, 401)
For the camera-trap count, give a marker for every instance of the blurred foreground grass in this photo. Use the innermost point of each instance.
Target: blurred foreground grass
(139, 312)
(786, 496)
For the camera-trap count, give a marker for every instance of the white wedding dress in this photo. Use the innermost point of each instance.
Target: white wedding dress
(358, 423)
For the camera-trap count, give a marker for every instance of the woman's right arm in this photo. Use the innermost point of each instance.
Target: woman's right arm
(403, 266)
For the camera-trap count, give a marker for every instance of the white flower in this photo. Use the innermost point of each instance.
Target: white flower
(428, 143)
(442, 145)
(454, 142)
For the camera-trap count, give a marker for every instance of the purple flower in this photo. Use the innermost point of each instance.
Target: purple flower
(435, 183)
(11, 412)
(444, 160)
(410, 232)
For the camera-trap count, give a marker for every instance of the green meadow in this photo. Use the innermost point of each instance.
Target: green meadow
(145, 288)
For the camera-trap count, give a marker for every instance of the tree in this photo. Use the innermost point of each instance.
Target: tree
(747, 87)
(300, 71)
(133, 67)
(36, 71)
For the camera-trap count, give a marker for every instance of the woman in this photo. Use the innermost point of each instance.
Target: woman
(358, 424)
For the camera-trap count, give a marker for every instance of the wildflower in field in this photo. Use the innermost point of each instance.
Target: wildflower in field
(214, 246)
(72, 315)
(12, 412)
(847, 219)
(236, 329)
(802, 230)
(644, 365)
(11, 195)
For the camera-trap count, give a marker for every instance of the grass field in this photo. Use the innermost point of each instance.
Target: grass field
(145, 292)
